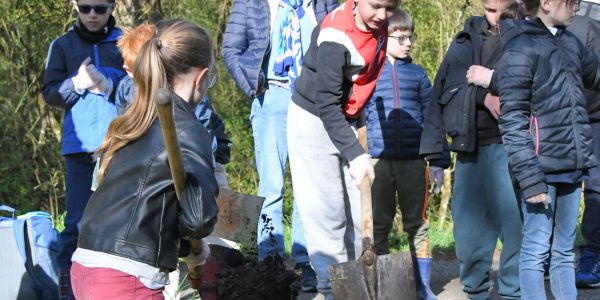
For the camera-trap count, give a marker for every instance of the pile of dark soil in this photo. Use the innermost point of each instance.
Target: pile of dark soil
(244, 277)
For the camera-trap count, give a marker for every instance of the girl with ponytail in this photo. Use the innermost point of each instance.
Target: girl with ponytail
(134, 228)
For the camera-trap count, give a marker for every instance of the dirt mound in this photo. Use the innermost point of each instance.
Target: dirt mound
(244, 277)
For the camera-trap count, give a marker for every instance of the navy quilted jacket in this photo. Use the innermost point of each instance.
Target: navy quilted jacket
(247, 38)
(395, 113)
(543, 117)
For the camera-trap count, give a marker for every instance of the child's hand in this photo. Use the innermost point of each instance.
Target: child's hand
(539, 198)
(492, 103)
(84, 80)
(360, 167)
(436, 177)
(479, 75)
(194, 262)
(103, 85)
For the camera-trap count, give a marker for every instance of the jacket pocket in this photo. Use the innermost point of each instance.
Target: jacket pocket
(451, 104)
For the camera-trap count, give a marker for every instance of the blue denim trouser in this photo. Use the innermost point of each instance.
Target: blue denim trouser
(590, 225)
(550, 230)
(80, 168)
(485, 208)
(269, 117)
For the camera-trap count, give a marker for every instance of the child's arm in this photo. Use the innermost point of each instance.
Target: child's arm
(515, 77)
(235, 45)
(424, 93)
(433, 138)
(331, 60)
(590, 70)
(57, 86)
(198, 207)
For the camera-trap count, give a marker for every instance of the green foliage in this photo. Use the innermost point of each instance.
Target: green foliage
(29, 130)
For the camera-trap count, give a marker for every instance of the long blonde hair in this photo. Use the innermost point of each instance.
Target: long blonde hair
(177, 46)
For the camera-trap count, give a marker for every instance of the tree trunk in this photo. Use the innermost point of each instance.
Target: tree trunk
(134, 12)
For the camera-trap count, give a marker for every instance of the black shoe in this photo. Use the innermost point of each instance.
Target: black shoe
(308, 279)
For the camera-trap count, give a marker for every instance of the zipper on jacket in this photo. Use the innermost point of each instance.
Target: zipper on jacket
(397, 106)
(533, 123)
(96, 56)
(465, 116)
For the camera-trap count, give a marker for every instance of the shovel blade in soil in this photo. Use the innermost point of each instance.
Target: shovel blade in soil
(395, 279)
(238, 217)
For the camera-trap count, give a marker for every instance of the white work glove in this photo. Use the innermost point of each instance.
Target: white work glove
(82, 81)
(360, 167)
(89, 78)
(198, 259)
(479, 75)
(195, 261)
(103, 85)
(436, 178)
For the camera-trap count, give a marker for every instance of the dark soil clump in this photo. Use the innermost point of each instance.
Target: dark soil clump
(243, 277)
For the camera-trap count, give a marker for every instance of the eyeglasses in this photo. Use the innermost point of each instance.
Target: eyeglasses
(212, 76)
(403, 38)
(99, 9)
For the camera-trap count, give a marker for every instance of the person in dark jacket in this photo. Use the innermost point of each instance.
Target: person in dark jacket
(586, 26)
(134, 227)
(483, 207)
(394, 120)
(546, 131)
(82, 67)
(263, 49)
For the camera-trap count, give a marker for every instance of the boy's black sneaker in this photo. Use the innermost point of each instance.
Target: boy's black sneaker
(308, 279)
(588, 271)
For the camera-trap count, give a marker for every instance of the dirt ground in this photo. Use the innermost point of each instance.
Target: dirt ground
(444, 282)
(446, 286)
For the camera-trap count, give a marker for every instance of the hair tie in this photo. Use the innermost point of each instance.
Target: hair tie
(158, 43)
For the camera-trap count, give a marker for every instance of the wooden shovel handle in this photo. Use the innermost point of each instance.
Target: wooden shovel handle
(164, 109)
(367, 214)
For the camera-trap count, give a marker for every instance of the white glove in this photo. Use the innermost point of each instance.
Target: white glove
(198, 259)
(479, 75)
(103, 85)
(436, 177)
(360, 167)
(82, 81)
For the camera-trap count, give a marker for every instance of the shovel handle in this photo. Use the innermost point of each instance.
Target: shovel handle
(367, 214)
(164, 109)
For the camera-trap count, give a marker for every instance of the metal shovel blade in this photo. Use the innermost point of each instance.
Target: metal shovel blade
(395, 279)
(238, 217)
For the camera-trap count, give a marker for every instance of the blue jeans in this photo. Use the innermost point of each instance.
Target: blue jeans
(80, 168)
(485, 208)
(540, 225)
(590, 225)
(268, 118)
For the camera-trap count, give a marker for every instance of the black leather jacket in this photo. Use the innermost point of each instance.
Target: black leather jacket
(543, 117)
(135, 213)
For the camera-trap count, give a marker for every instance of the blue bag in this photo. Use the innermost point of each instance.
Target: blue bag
(28, 256)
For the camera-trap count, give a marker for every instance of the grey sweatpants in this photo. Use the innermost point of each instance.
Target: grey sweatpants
(327, 198)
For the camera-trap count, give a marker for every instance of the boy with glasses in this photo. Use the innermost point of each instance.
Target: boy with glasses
(81, 70)
(394, 119)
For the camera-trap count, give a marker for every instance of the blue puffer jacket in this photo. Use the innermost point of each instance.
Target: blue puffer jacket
(395, 113)
(88, 115)
(543, 118)
(247, 38)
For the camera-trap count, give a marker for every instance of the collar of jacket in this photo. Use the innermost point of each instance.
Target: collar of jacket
(178, 102)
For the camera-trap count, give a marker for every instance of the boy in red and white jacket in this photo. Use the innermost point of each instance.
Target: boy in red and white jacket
(327, 162)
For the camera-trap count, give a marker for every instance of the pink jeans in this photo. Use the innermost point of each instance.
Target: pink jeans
(105, 283)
